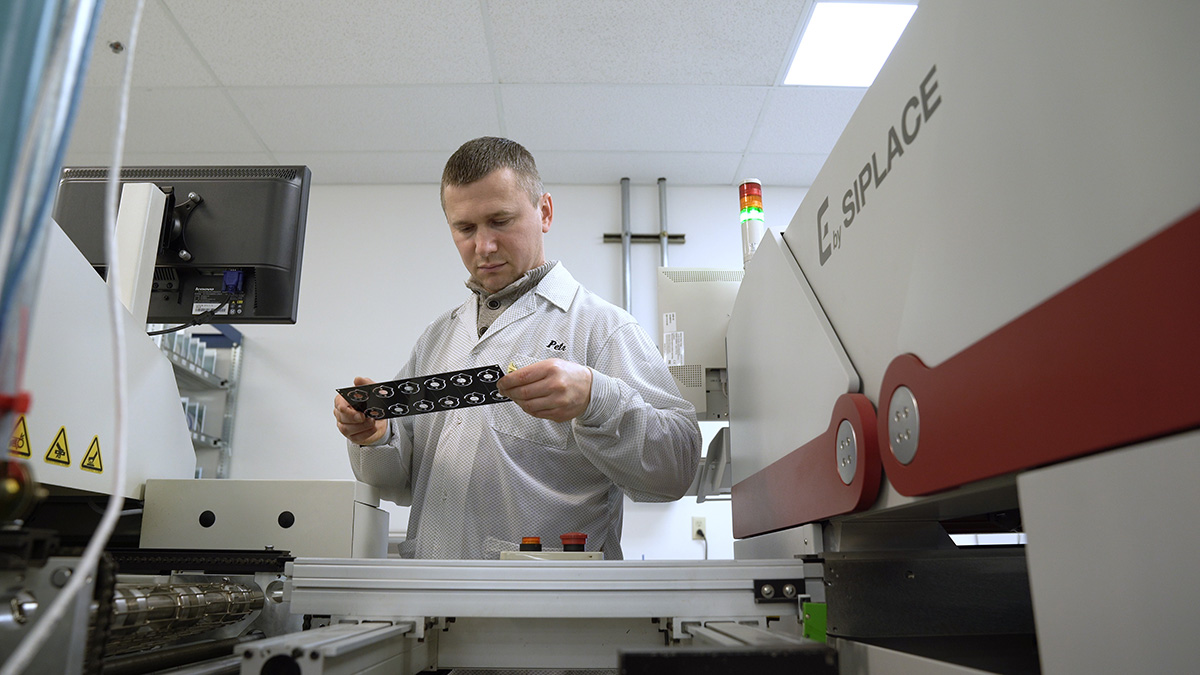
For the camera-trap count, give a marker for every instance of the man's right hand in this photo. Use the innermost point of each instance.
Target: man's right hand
(355, 426)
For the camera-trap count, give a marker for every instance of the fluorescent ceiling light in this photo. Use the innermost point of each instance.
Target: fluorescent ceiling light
(846, 43)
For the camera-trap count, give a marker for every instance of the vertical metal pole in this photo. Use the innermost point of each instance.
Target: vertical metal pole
(626, 240)
(662, 221)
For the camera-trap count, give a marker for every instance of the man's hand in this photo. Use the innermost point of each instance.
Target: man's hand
(553, 389)
(354, 425)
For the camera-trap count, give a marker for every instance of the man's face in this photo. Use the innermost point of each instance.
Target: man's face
(497, 230)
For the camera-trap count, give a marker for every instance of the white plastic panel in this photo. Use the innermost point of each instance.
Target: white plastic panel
(1045, 139)
(139, 225)
(1111, 544)
(70, 374)
(786, 366)
(305, 517)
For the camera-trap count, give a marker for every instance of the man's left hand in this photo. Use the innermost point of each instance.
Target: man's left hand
(553, 389)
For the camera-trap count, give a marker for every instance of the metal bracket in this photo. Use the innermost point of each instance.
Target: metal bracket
(174, 234)
(778, 590)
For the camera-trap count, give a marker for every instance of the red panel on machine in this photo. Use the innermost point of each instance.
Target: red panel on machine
(1111, 360)
(805, 484)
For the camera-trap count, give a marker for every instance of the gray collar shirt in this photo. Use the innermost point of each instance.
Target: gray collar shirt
(480, 479)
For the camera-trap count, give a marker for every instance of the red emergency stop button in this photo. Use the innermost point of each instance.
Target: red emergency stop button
(573, 541)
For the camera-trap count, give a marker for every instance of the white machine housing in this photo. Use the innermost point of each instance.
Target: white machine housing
(70, 374)
(1005, 151)
(989, 166)
(319, 518)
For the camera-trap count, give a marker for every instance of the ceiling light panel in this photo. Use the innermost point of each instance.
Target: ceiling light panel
(846, 43)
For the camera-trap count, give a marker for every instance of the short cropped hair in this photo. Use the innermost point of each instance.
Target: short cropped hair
(479, 157)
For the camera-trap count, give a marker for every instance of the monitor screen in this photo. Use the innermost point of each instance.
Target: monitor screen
(232, 241)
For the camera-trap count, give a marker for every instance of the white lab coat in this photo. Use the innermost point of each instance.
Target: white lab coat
(479, 479)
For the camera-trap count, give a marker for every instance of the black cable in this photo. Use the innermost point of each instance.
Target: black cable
(704, 538)
(200, 318)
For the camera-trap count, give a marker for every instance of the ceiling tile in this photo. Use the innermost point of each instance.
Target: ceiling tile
(315, 42)
(805, 119)
(162, 57)
(608, 168)
(379, 91)
(366, 168)
(369, 119)
(627, 41)
(792, 170)
(631, 117)
(166, 120)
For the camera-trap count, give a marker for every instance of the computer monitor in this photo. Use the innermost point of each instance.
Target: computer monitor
(232, 242)
(695, 305)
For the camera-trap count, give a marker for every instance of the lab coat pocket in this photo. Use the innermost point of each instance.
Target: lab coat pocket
(513, 422)
(541, 453)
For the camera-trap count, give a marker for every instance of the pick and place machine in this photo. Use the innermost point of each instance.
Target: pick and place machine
(981, 319)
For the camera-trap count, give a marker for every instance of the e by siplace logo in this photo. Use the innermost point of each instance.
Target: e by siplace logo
(919, 108)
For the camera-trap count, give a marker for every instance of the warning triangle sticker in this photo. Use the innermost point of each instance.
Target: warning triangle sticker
(58, 453)
(18, 443)
(91, 460)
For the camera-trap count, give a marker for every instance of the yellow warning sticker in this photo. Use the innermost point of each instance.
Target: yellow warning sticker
(91, 460)
(58, 453)
(18, 443)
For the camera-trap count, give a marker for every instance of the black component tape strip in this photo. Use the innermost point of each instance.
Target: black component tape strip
(429, 393)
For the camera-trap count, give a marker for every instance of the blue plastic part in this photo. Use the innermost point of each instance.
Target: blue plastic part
(232, 281)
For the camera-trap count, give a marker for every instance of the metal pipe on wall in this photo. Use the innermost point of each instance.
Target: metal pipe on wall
(662, 221)
(626, 241)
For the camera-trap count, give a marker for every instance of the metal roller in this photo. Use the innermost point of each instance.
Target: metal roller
(146, 616)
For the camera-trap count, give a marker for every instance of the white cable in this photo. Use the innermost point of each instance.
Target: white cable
(86, 568)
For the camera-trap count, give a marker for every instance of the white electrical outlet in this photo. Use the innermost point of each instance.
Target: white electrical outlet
(698, 526)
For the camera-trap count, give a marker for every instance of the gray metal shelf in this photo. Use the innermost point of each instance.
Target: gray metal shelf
(203, 440)
(192, 376)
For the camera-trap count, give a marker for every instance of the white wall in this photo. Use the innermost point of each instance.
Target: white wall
(379, 265)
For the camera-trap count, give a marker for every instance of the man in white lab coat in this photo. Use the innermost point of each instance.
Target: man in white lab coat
(596, 413)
